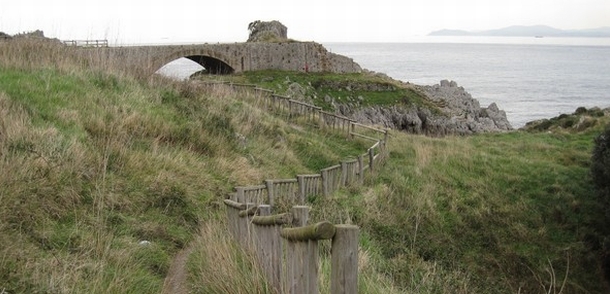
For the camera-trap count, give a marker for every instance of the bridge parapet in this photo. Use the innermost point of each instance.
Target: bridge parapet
(227, 58)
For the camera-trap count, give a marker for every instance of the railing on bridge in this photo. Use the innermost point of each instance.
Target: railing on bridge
(87, 43)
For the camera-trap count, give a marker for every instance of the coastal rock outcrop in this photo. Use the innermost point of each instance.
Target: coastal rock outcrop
(458, 114)
(458, 103)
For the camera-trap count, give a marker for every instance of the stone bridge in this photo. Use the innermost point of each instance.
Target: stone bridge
(226, 58)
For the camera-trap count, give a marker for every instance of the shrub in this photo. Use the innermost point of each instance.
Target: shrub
(580, 110)
(600, 166)
(600, 171)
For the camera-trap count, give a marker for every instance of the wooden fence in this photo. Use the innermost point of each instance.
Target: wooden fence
(289, 255)
(87, 43)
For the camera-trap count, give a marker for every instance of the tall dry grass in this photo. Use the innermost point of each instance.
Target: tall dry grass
(219, 265)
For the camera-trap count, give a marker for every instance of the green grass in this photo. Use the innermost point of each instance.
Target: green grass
(356, 89)
(92, 162)
(502, 210)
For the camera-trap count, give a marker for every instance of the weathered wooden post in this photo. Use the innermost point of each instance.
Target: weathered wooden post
(302, 253)
(302, 185)
(270, 192)
(325, 182)
(360, 169)
(271, 245)
(385, 137)
(343, 173)
(344, 260)
(371, 158)
(295, 271)
(246, 215)
(232, 217)
(242, 226)
(261, 237)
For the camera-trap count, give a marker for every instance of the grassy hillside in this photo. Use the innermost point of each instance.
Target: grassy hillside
(324, 89)
(92, 162)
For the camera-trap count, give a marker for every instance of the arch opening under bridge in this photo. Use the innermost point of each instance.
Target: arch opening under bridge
(212, 62)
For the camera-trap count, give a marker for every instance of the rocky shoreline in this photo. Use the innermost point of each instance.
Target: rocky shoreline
(459, 114)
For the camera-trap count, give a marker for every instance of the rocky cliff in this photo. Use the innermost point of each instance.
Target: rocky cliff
(456, 113)
(443, 109)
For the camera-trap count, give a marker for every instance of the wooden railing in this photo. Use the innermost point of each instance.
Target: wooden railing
(87, 43)
(289, 256)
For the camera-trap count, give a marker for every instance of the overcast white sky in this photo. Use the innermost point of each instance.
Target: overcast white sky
(198, 21)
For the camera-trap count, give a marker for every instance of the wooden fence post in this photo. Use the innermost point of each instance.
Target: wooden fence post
(263, 241)
(344, 260)
(272, 246)
(242, 225)
(302, 183)
(371, 158)
(343, 174)
(325, 188)
(270, 192)
(360, 169)
(385, 137)
(296, 279)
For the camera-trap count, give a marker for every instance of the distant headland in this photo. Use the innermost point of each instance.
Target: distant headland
(528, 31)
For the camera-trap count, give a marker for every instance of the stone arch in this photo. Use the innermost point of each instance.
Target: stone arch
(214, 62)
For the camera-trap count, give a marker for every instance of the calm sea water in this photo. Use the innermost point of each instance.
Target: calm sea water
(529, 78)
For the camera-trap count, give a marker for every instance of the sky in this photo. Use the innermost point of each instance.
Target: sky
(198, 21)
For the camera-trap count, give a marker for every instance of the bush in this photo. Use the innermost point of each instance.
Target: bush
(600, 166)
(600, 171)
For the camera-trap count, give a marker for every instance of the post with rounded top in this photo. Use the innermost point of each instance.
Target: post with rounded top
(360, 169)
(385, 137)
(242, 225)
(344, 260)
(343, 173)
(270, 195)
(325, 189)
(300, 215)
(302, 183)
(371, 158)
(297, 268)
(263, 244)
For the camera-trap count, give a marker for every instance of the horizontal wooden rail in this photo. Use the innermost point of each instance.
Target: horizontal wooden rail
(263, 90)
(363, 136)
(87, 43)
(368, 127)
(272, 220)
(238, 205)
(249, 211)
(243, 85)
(320, 231)
(284, 181)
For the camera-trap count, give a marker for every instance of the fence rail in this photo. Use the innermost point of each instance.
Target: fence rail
(87, 43)
(289, 256)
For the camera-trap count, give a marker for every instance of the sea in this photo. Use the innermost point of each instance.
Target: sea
(529, 78)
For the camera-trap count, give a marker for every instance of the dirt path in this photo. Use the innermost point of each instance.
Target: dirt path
(175, 281)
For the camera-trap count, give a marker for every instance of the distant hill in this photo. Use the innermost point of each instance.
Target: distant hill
(527, 31)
